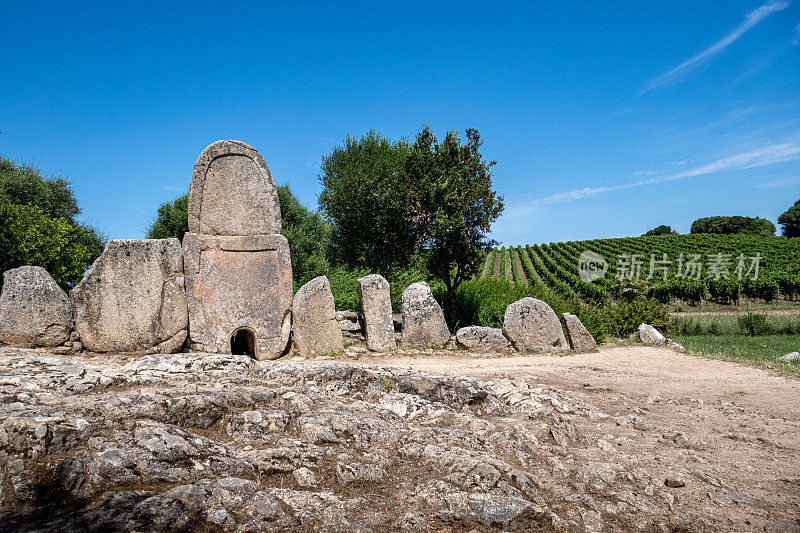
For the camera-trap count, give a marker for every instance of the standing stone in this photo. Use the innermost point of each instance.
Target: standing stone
(33, 309)
(580, 339)
(423, 320)
(483, 339)
(532, 326)
(315, 330)
(376, 306)
(650, 335)
(237, 264)
(132, 299)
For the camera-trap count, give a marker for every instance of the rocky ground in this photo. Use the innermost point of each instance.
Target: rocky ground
(627, 439)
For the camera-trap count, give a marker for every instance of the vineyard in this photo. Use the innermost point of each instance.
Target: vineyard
(691, 268)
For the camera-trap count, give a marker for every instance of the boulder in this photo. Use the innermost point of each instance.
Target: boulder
(580, 339)
(376, 308)
(423, 320)
(132, 299)
(532, 326)
(348, 321)
(315, 330)
(483, 339)
(650, 335)
(794, 356)
(33, 309)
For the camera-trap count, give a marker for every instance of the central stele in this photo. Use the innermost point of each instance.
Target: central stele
(237, 265)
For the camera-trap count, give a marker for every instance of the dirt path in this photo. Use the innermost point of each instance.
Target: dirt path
(520, 271)
(730, 431)
(496, 266)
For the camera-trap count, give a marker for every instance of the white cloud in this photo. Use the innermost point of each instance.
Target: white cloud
(767, 155)
(750, 20)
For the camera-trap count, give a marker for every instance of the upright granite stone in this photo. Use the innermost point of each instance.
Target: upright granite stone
(482, 339)
(132, 299)
(314, 328)
(33, 309)
(650, 335)
(237, 264)
(580, 339)
(376, 307)
(423, 320)
(532, 327)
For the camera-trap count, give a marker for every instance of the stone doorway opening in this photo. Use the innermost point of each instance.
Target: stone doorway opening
(243, 342)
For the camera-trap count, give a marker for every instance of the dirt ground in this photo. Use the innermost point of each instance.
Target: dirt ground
(729, 431)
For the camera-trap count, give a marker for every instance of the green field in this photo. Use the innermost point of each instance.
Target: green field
(555, 266)
(762, 351)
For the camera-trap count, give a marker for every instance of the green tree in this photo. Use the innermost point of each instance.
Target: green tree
(172, 219)
(661, 230)
(453, 205)
(365, 194)
(732, 225)
(24, 185)
(790, 221)
(309, 235)
(38, 225)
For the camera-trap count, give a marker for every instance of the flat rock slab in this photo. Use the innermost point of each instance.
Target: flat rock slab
(580, 339)
(132, 298)
(423, 320)
(376, 308)
(33, 309)
(314, 326)
(532, 327)
(651, 336)
(239, 284)
(483, 339)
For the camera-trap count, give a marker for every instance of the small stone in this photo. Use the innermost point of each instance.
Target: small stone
(61, 350)
(305, 477)
(674, 482)
(580, 339)
(33, 309)
(483, 339)
(793, 356)
(651, 336)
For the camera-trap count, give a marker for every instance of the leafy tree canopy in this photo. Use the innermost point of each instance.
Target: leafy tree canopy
(365, 194)
(790, 221)
(38, 225)
(452, 205)
(661, 230)
(735, 224)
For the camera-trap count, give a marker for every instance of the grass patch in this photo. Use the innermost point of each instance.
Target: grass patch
(760, 351)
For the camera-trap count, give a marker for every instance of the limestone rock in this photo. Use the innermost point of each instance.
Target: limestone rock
(423, 320)
(650, 335)
(315, 330)
(132, 298)
(232, 192)
(33, 309)
(483, 339)
(794, 356)
(580, 339)
(532, 326)
(240, 293)
(376, 307)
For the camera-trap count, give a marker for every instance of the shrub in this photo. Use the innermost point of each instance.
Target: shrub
(755, 324)
(723, 290)
(623, 319)
(764, 287)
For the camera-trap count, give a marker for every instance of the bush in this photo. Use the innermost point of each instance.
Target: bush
(789, 286)
(764, 287)
(755, 324)
(623, 319)
(723, 290)
(731, 225)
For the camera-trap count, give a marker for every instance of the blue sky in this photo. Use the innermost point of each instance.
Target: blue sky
(606, 119)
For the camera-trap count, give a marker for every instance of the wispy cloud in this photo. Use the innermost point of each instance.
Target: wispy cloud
(175, 187)
(767, 155)
(750, 20)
